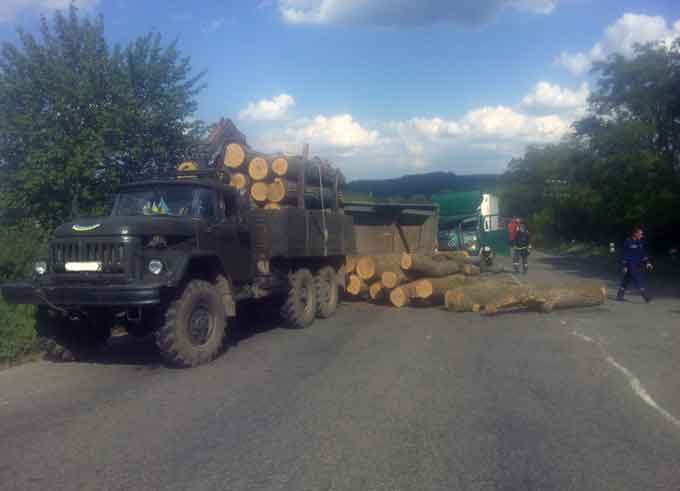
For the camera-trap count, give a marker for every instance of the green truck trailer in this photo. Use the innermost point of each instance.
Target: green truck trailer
(470, 221)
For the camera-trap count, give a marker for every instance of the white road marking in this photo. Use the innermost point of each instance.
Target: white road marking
(640, 391)
(634, 382)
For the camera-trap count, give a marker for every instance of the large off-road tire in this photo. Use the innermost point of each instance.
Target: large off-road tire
(64, 339)
(327, 292)
(300, 305)
(194, 328)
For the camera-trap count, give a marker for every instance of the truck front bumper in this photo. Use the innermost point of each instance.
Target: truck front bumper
(72, 295)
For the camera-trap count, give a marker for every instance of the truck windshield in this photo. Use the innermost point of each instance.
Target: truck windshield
(169, 200)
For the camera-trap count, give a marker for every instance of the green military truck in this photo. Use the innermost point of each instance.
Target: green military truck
(176, 254)
(469, 221)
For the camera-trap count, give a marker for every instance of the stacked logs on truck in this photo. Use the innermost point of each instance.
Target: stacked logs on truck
(458, 282)
(277, 181)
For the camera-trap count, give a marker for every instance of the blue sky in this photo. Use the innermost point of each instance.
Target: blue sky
(387, 87)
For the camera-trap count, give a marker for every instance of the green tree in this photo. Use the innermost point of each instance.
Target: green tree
(77, 116)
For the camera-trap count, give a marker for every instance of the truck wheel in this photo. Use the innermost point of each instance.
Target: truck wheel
(194, 328)
(327, 292)
(299, 307)
(63, 339)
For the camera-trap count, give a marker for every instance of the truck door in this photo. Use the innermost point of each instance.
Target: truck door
(233, 237)
(220, 233)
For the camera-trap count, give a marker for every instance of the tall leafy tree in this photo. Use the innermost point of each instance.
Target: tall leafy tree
(77, 116)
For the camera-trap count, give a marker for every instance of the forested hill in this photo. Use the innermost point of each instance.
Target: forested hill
(423, 185)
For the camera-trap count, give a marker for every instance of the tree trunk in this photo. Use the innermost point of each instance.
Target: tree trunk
(376, 291)
(369, 267)
(351, 264)
(239, 180)
(234, 155)
(258, 191)
(356, 286)
(392, 279)
(258, 169)
(272, 206)
(471, 270)
(402, 295)
(434, 289)
(428, 266)
(565, 298)
(476, 295)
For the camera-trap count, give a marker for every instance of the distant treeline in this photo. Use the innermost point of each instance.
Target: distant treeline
(621, 166)
(420, 187)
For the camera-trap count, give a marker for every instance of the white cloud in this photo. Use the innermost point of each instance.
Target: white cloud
(403, 12)
(547, 97)
(268, 109)
(621, 37)
(214, 25)
(482, 140)
(9, 9)
(340, 132)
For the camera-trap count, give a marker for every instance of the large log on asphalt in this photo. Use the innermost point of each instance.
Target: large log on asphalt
(373, 266)
(402, 295)
(476, 295)
(428, 266)
(434, 289)
(571, 297)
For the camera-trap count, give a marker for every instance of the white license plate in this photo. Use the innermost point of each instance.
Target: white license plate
(83, 266)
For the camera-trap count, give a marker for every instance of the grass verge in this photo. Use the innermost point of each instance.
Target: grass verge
(17, 334)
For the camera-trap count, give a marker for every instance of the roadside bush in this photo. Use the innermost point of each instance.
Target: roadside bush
(17, 332)
(20, 245)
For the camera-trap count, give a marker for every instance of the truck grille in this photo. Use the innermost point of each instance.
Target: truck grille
(115, 255)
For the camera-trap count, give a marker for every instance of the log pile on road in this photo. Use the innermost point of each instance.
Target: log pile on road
(457, 282)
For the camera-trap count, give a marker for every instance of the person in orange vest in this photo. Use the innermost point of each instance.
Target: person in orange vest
(513, 226)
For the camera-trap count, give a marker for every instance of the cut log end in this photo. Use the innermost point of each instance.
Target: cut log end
(406, 261)
(454, 300)
(238, 180)
(399, 297)
(280, 166)
(355, 285)
(188, 165)
(390, 279)
(375, 291)
(258, 192)
(234, 156)
(276, 191)
(366, 267)
(424, 289)
(350, 264)
(258, 168)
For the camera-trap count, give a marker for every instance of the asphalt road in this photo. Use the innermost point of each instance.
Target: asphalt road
(375, 398)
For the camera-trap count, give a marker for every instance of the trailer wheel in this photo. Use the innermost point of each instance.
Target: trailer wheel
(194, 328)
(327, 292)
(63, 339)
(300, 305)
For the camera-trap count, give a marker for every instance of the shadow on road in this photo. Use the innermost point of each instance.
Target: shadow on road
(607, 269)
(251, 319)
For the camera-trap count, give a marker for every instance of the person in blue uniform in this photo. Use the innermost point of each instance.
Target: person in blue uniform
(634, 263)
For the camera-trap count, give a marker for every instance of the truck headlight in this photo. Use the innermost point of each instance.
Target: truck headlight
(155, 266)
(40, 267)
